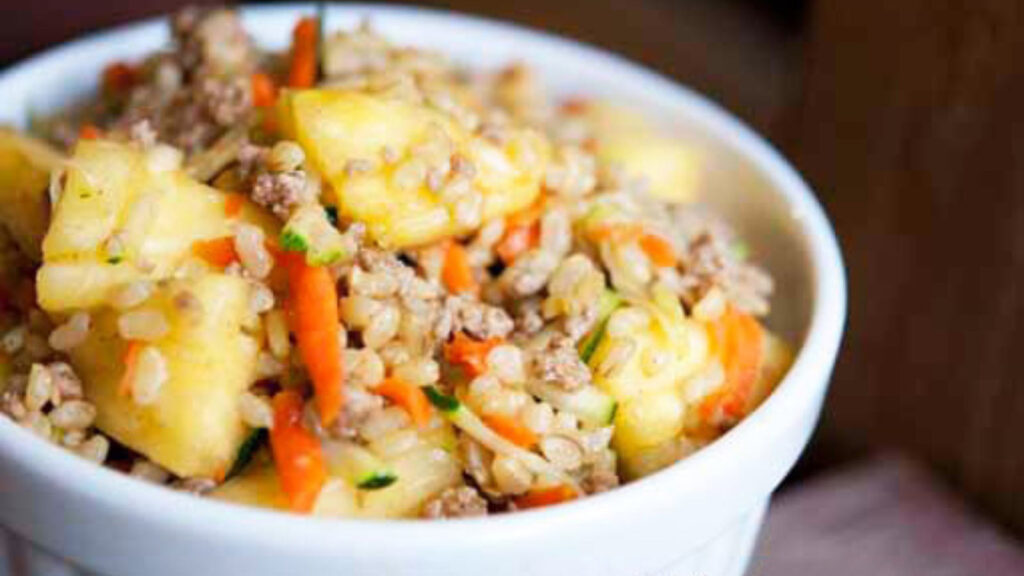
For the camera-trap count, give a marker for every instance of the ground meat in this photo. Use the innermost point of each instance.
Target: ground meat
(461, 502)
(226, 101)
(281, 192)
(599, 479)
(194, 94)
(359, 407)
(211, 41)
(559, 364)
(529, 319)
(709, 261)
(479, 320)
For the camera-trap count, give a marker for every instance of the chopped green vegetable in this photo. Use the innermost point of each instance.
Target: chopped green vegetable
(740, 250)
(378, 481)
(293, 242)
(246, 451)
(332, 215)
(310, 231)
(441, 401)
(610, 301)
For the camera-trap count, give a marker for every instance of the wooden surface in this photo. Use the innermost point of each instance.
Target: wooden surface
(912, 132)
(884, 517)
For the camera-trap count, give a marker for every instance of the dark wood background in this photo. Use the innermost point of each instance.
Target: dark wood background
(906, 117)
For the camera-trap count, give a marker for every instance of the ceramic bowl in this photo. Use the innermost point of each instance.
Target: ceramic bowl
(699, 517)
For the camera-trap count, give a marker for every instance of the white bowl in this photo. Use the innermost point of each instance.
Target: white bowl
(698, 517)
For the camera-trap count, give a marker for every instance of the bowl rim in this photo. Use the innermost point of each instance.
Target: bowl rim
(802, 386)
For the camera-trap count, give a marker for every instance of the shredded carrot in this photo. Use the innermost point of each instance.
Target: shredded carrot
(119, 77)
(89, 132)
(410, 397)
(297, 454)
(218, 252)
(131, 361)
(264, 90)
(615, 231)
(511, 429)
(545, 497)
(518, 238)
(314, 305)
(659, 250)
(456, 272)
(233, 204)
(302, 68)
(469, 354)
(522, 232)
(737, 339)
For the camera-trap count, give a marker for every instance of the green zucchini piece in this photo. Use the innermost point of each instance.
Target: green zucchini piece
(246, 451)
(309, 230)
(609, 302)
(441, 401)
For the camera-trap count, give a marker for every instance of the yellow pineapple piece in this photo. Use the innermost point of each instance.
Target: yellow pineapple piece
(666, 349)
(121, 218)
(671, 167)
(193, 427)
(25, 167)
(376, 151)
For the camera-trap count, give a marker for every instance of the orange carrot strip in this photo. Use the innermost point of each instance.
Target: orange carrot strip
(738, 341)
(314, 305)
(456, 272)
(411, 398)
(302, 68)
(264, 91)
(522, 232)
(469, 354)
(131, 361)
(89, 132)
(511, 429)
(517, 239)
(233, 204)
(297, 454)
(615, 231)
(218, 252)
(659, 250)
(545, 497)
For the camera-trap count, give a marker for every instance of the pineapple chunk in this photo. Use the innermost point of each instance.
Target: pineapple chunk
(667, 349)
(259, 486)
(119, 219)
(25, 167)
(423, 472)
(193, 428)
(337, 127)
(672, 168)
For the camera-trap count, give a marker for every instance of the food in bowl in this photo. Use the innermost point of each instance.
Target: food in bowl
(356, 280)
